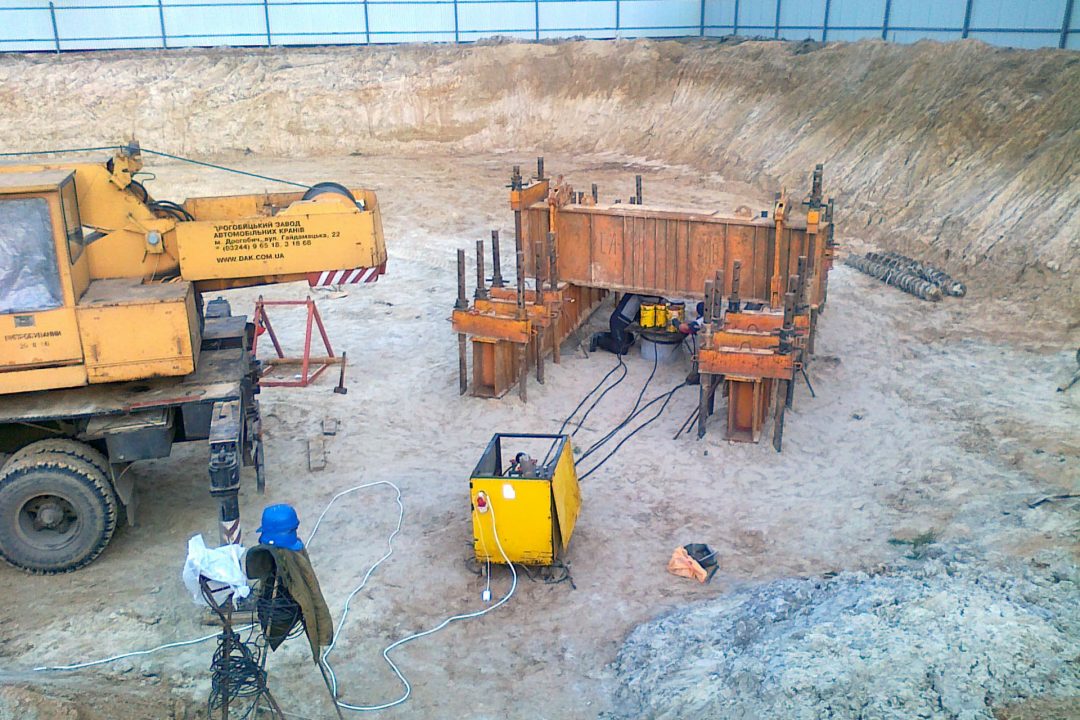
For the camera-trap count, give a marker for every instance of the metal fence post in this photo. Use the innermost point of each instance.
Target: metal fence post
(701, 29)
(825, 21)
(55, 33)
(967, 19)
(161, 19)
(367, 26)
(735, 20)
(1066, 21)
(536, 10)
(885, 20)
(457, 35)
(776, 28)
(617, 13)
(266, 17)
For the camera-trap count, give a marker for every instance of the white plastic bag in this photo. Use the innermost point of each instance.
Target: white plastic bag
(224, 565)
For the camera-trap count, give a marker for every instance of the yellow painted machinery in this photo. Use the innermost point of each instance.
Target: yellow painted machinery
(531, 505)
(107, 354)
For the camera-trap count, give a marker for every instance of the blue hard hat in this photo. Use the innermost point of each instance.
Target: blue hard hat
(278, 528)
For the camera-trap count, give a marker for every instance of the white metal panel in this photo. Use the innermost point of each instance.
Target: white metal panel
(851, 35)
(495, 17)
(395, 22)
(923, 14)
(802, 13)
(1020, 40)
(1033, 14)
(758, 16)
(74, 24)
(577, 15)
(661, 14)
(800, 33)
(720, 12)
(242, 25)
(26, 29)
(215, 40)
(122, 24)
(911, 36)
(299, 21)
(855, 13)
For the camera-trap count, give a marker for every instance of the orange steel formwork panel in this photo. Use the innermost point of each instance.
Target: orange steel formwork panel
(657, 251)
(764, 278)
(512, 329)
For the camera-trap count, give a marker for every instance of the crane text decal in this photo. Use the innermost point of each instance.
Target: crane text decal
(263, 240)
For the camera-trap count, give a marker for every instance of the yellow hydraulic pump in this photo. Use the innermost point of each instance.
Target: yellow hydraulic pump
(100, 282)
(530, 505)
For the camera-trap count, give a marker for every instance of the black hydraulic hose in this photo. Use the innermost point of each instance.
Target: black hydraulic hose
(666, 397)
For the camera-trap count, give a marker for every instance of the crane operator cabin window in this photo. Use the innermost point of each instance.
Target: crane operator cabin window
(69, 203)
(29, 276)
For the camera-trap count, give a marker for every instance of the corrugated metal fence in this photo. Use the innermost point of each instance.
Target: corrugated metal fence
(59, 25)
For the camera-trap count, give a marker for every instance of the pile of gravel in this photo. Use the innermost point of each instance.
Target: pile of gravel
(939, 638)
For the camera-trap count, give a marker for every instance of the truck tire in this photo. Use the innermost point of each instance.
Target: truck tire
(65, 446)
(57, 513)
(74, 448)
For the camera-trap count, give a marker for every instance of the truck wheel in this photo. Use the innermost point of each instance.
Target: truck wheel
(65, 446)
(57, 513)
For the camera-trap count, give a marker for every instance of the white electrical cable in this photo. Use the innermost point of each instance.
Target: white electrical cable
(114, 658)
(204, 638)
(345, 612)
(416, 636)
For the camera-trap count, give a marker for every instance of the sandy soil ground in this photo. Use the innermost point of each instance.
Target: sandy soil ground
(923, 422)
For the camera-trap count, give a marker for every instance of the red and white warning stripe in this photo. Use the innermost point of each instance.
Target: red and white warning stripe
(346, 277)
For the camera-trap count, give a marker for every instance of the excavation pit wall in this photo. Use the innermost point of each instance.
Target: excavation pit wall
(961, 154)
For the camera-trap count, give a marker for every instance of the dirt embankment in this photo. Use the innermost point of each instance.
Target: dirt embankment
(961, 153)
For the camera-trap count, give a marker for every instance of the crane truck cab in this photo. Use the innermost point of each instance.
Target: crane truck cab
(106, 354)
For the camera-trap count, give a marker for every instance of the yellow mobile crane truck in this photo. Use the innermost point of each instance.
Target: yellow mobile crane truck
(107, 355)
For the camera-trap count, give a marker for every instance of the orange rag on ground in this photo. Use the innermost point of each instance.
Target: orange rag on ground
(683, 565)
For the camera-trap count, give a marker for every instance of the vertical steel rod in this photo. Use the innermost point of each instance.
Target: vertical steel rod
(538, 265)
(553, 282)
(481, 292)
(701, 26)
(776, 27)
(735, 19)
(618, 13)
(462, 304)
(536, 8)
(367, 25)
(703, 403)
(885, 20)
(733, 299)
(595, 194)
(553, 270)
(825, 21)
(523, 373)
(967, 20)
(637, 189)
(457, 35)
(496, 259)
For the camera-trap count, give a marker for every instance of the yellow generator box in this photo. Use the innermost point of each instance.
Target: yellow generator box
(524, 491)
(133, 331)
